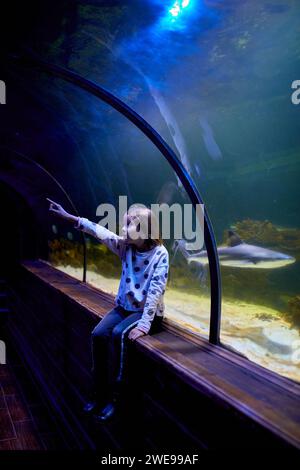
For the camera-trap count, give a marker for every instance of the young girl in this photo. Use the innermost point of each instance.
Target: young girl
(139, 305)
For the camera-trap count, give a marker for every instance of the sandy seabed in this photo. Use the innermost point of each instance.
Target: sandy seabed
(256, 331)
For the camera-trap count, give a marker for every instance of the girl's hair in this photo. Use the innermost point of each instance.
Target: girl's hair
(149, 225)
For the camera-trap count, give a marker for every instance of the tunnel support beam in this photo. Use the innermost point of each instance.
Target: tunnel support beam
(215, 277)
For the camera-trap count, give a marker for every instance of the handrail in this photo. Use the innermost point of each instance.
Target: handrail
(47, 172)
(29, 58)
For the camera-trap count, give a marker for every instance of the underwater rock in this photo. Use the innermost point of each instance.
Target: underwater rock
(280, 334)
(293, 313)
(66, 252)
(263, 232)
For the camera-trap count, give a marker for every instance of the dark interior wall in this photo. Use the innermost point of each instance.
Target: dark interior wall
(26, 22)
(20, 237)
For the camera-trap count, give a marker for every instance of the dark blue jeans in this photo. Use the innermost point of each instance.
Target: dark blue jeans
(109, 349)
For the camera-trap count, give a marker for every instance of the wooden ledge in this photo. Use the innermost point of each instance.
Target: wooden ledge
(261, 395)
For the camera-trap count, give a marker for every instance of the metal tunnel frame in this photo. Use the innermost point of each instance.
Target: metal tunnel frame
(31, 59)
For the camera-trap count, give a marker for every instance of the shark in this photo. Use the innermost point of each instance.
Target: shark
(236, 254)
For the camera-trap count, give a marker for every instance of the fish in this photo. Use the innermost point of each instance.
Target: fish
(170, 193)
(172, 124)
(165, 111)
(274, 8)
(236, 254)
(197, 169)
(209, 140)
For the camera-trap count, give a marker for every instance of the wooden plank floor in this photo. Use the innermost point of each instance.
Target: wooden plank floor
(25, 423)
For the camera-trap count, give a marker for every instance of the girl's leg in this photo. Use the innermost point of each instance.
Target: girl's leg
(100, 352)
(118, 358)
(118, 349)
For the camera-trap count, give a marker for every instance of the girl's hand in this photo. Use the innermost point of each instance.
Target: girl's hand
(57, 209)
(135, 334)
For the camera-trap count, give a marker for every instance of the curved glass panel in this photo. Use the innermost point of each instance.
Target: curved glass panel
(103, 156)
(143, 176)
(214, 78)
(225, 70)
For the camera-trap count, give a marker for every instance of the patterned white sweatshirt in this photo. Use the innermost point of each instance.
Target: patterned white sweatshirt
(144, 274)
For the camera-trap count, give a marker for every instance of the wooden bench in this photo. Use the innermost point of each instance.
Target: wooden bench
(202, 395)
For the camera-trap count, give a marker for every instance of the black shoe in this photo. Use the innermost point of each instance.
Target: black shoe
(106, 413)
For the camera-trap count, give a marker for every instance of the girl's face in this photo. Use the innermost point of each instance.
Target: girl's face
(131, 230)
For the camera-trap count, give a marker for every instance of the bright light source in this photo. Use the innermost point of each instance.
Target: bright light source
(175, 10)
(178, 6)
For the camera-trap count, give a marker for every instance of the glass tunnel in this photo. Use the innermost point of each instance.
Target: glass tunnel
(200, 74)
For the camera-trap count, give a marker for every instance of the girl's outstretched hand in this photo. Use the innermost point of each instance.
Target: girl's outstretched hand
(135, 334)
(57, 209)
